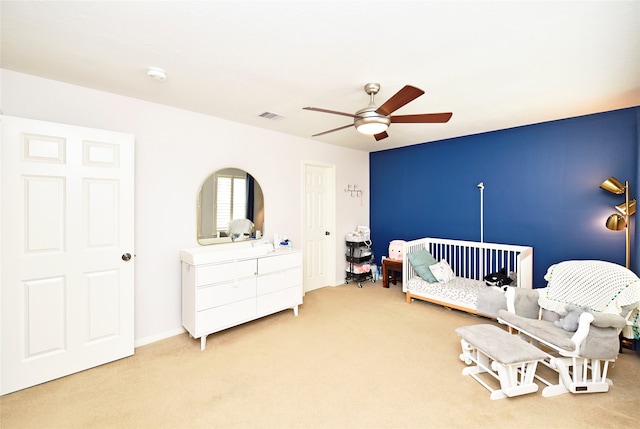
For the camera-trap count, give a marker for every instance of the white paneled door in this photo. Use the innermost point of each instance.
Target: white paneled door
(67, 250)
(319, 219)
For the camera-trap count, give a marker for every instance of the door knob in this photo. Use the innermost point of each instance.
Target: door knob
(126, 256)
(327, 233)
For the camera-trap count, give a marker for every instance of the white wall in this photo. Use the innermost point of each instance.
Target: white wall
(175, 151)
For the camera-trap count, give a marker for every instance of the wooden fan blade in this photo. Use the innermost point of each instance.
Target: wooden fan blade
(402, 97)
(425, 118)
(330, 131)
(382, 135)
(317, 109)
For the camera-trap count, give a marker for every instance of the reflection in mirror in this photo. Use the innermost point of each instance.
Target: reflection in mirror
(230, 207)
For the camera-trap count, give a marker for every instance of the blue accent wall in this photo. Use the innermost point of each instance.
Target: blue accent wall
(542, 188)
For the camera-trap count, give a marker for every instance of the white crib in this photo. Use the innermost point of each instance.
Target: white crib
(471, 262)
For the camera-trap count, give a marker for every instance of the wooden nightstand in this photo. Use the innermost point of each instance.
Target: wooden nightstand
(390, 267)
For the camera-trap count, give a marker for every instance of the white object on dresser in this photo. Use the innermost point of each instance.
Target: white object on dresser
(227, 285)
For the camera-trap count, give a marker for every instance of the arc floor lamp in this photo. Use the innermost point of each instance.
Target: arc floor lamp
(620, 221)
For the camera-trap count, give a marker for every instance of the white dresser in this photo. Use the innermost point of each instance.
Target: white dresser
(226, 285)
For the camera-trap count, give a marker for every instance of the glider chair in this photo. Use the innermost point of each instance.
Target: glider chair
(602, 294)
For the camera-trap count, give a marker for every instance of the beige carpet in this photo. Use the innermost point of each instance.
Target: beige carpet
(353, 358)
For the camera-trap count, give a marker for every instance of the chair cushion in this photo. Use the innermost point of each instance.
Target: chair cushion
(500, 345)
(542, 329)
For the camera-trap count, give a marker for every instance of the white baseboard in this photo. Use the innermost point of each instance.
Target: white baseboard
(152, 339)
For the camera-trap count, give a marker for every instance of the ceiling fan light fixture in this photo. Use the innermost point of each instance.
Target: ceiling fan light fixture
(371, 128)
(369, 122)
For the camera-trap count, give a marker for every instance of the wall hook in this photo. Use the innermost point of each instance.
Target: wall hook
(354, 190)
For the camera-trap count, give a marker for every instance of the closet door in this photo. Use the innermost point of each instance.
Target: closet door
(319, 224)
(67, 250)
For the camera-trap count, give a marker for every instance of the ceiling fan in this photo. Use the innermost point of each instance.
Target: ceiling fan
(374, 120)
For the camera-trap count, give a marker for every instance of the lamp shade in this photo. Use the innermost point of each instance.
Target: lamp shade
(622, 208)
(613, 185)
(616, 222)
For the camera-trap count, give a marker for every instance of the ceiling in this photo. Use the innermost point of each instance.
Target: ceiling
(494, 64)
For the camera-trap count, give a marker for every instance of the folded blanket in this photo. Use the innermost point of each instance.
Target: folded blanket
(632, 331)
(603, 286)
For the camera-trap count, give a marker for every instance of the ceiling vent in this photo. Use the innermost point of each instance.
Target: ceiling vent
(271, 115)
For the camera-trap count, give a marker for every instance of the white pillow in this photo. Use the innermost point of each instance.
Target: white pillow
(442, 271)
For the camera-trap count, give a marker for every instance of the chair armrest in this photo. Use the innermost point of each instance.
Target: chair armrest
(523, 302)
(583, 329)
(602, 320)
(595, 338)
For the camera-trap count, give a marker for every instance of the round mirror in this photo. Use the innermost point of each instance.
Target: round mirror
(230, 207)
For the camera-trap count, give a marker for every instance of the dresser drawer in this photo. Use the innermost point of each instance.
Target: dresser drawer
(281, 261)
(218, 273)
(279, 300)
(224, 293)
(218, 318)
(279, 280)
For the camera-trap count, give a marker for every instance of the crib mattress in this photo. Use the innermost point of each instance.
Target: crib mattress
(459, 292)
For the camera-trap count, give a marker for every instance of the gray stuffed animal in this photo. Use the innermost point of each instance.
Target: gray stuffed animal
(570, 318)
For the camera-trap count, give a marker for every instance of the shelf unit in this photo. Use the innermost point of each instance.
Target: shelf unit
(358, 253)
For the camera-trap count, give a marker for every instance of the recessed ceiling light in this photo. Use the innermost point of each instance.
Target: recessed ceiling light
(157, 73)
